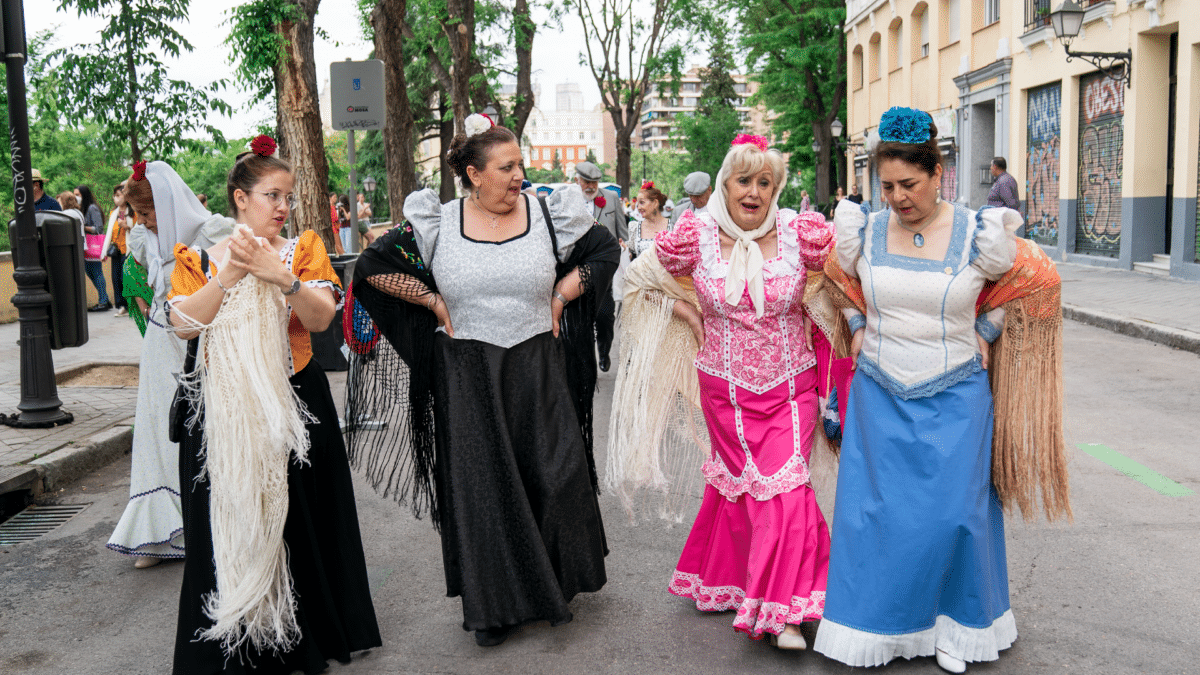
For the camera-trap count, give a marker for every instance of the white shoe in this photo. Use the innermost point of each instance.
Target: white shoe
(789, 640)
(146, 561)
(950, 664)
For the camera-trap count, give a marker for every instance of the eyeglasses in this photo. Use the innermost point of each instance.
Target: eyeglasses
(276, 198)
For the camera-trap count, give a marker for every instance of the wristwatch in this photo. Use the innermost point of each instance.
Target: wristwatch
(294, 288)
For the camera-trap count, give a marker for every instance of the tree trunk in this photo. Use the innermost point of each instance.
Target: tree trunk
(524, 29)
(131, 87)
(821, 135)
(398, 132)
(445, 135)
(300, 125)
(624, 158)
(460, 32)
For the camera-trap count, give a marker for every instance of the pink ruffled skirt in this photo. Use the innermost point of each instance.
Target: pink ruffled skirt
(760, 544)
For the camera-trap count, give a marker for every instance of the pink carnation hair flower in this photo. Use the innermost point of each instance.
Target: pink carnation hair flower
(263, 145)
(139, 170)
(759, 142)
(648, 185)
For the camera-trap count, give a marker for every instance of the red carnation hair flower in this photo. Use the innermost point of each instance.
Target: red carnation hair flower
(648, 185)
(759, 142)
(139, 170)
(600, 201)
(263, 145)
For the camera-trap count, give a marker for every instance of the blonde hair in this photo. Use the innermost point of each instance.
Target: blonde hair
(747, 159)
(67, 200)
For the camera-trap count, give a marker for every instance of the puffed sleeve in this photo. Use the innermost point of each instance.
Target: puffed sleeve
(850, 220)
(571, 215)
(423, 211)
(311, 265)
(186, 277)
(816, 238)
(678, 249)
(213, 231)
(994, 248)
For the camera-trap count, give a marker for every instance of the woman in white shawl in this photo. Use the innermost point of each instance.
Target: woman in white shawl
(151, 529)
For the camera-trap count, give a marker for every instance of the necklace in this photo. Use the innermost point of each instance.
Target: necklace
(918, 238)
(495, 219)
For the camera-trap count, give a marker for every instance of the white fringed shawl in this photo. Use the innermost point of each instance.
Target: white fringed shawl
(657, 437)
(253, 423)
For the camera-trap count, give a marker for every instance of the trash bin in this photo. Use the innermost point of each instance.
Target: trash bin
(60, 248)
(327, 345)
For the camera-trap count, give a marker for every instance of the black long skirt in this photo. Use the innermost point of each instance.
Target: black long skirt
(520, 524)
(325, 554)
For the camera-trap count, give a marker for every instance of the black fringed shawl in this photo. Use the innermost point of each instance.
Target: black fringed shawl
(389, 388)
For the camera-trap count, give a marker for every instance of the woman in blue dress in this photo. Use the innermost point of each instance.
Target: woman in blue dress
(917, 564)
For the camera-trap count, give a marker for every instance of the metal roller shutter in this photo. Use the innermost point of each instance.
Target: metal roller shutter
(1042, 168)
(1101, 148)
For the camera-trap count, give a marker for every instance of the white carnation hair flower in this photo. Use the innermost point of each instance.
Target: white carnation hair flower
(477, 124)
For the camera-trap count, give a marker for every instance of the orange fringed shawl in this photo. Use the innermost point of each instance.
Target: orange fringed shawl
(1025, 371)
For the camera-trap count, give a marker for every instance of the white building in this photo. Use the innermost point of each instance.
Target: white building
(569, 130)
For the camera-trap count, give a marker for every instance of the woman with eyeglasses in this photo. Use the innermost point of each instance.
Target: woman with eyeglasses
(275, 574)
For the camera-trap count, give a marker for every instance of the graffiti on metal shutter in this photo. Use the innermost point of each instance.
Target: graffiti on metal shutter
(876, 190)
(1041, 173)
(1101, 132)
(949, 174)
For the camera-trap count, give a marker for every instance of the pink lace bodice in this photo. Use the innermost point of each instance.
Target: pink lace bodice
(754, 353)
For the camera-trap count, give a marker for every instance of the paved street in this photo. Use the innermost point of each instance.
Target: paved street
(1114, 593)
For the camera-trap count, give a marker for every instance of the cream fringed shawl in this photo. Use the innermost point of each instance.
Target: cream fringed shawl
(657, 437)
(253, 424)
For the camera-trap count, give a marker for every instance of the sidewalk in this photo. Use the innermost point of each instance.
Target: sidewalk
(1160, 309)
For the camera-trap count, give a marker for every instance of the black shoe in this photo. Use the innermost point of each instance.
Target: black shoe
(604, 363)
(490, 637)
(101, 307)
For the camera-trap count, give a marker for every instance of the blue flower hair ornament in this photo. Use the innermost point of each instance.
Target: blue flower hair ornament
(905, 125)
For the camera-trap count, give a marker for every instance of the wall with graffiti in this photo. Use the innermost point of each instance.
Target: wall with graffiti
(949, 174)
(1101, 149)
(1041, 173)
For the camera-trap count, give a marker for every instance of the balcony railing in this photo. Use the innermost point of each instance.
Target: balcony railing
(1037, 14)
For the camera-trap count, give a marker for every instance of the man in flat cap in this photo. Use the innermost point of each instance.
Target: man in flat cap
(698, 186)
(607, 211)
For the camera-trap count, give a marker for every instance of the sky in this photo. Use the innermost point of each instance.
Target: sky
(555, 52)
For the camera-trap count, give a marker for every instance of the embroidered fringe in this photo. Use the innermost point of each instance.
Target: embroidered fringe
(253, 423)
(1029, 456)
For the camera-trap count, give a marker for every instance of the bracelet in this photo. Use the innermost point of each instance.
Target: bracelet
(219, 284)
(561, 298)
(431, 302)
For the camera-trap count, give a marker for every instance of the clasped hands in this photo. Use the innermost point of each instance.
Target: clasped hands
(253, 255)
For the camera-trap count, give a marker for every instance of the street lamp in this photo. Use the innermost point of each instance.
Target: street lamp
(1067, 20)
(816, 146)
(369, 184)
(835, 128)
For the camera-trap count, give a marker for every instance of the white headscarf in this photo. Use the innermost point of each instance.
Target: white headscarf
(746, 261)
(179, 215)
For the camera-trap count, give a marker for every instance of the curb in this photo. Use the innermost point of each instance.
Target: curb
(69, 464)
(1164, 335)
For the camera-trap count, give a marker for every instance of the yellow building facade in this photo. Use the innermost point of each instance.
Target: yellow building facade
(1108, 172)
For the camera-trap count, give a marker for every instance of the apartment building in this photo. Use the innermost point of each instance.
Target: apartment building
(662, 106)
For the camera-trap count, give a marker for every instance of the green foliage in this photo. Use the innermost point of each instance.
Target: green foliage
(706, 135)
(121, 83)
(205, 169)
(667, 170)
(796, 50)
(257, 48)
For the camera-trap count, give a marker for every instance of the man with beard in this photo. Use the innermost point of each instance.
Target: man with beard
(608, 212)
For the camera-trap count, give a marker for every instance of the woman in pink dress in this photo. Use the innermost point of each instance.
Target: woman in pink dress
(759, 544)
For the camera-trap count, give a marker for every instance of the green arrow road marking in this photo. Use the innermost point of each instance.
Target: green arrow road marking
(1141, 474)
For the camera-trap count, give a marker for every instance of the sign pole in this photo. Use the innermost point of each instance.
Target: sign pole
(40, 405)
(358, 102)
(350, 194)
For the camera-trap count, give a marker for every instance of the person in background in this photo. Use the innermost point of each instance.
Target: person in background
(854, 195)
(698, 186)
(364, 221)
(609, 213)
(41, 200)
(119, 224)
(69, 204)
(805, 203)
(841, 194)
(1004, 186)
(669, 209)
(649, 206)
(93, 223)
(337, 226)
(203, 199)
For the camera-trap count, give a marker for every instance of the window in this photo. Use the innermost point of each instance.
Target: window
(533, 154)
(581, 135)
(570, 153)
(921, 38)
(895, 44)
(991, 12)
(593, 135)
(873, 57)
(856, 68)
(740, 88)
(950, 21)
